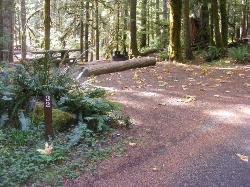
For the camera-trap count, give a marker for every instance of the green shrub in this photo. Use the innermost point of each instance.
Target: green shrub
(164, 55)
(22, 86)
(214, 53)
(83, 108)
(238, 53)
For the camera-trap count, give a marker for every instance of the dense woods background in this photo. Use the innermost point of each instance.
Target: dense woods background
(99, 27)
(59, 114)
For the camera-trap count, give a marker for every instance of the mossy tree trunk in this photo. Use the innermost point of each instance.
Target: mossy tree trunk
(23, 24)
(7, 10)
(215, 10)
(211, 17)
(47, 21)
(224, 22)
(81, 27)
(143, 42)
(244, 19)
(157, 21)
(204, 33)
(97, 30)
(174, 49)
(165, 22)
(187, 36)
(125, 26)
(87, 31)
(133, 28)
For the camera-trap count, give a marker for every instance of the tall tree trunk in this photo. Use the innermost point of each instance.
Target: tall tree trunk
(92, 34)
(47, 21)
(18, 18)
(164, 16)
(244, 19)
(23, 20)
(233, 36)
(87, 32)
(133, 28)
(187, 37)
(125, 26)
(211, 17)
(118, 26)
(215, 9)
(157, 21)
(175, 30)
(148, 23)
(7, 10)
(81, 27)
(204, 31)
(97, 33)
(224, 22)
(143, 24)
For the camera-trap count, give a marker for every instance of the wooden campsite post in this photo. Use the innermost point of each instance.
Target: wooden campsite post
(49, 133)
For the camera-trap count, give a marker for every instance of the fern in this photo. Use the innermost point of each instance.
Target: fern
(214, 53)
(238, 53)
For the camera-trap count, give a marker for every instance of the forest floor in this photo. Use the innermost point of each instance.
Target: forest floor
(191, 124)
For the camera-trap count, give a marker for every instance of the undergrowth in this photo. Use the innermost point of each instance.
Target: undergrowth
(25, 157)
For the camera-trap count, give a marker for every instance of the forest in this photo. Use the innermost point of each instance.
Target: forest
(124, 92)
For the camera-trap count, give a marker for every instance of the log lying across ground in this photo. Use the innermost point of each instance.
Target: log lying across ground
(104, 68)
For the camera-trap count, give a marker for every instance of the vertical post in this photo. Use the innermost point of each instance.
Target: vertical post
(49, 133)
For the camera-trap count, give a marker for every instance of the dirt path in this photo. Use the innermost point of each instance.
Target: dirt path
(190, 124)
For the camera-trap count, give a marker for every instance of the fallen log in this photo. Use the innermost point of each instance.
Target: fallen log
(104, 68)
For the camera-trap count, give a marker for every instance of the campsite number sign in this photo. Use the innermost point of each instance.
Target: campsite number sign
(48, 117)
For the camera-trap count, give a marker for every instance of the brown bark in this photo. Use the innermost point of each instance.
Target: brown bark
(143, 42)
(87, 31)
(165, 18)
(133, 28)
(125, 27)
(224, 22)
(47, 21)
(215, 9)
(175, 30)
(102, 68)
(97, 33)
(6, 30)
(81, 28)
(23, 23)
(187, 36)
(157, 21)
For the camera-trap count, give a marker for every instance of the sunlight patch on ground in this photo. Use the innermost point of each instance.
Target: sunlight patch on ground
(235, 115)
(175, 101)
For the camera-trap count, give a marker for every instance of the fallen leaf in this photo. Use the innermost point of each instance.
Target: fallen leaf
(155, 169)
(162, 104)
(188, 99)
(162, 83)
(203, 89)
(136, 76)
(132, 144)
(184, 87)
(47, 149)
(159, 77)
(247, 84)
(242, 75)
(243, 157)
